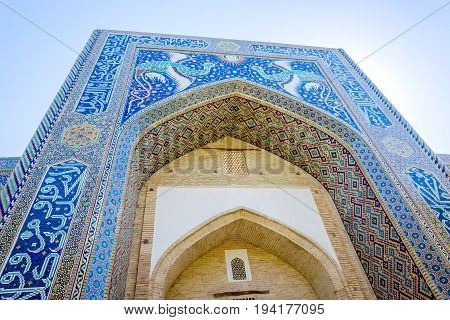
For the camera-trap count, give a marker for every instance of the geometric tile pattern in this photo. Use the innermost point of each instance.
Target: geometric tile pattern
(386, 261)
(4, 175)
(31, 266)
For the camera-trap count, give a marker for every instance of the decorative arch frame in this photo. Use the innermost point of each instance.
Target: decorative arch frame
(95, 94)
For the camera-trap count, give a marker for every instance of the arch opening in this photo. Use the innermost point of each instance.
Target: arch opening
(309, 260)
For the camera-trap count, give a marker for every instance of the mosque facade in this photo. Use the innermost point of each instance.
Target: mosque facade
(176, 167)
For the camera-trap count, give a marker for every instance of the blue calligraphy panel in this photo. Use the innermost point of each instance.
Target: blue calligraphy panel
(433, 193)
(30, 269)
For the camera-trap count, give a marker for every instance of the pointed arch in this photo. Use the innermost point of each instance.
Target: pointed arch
(296, 249)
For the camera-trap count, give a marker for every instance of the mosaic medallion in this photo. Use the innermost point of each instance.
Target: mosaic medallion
(228, 46)
(398, 147)
(80, 136)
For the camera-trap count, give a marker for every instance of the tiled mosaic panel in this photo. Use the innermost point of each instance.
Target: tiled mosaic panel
(122, 250)
(390, 268)
(160, 74)
(31, 266)
(97, 93)
(347, 80)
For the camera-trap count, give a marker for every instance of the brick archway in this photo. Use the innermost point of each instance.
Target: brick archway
(320, 270)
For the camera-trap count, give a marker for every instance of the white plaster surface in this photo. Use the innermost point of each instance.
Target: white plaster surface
(181, 209)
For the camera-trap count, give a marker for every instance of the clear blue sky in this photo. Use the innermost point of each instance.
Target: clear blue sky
(413, 71)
